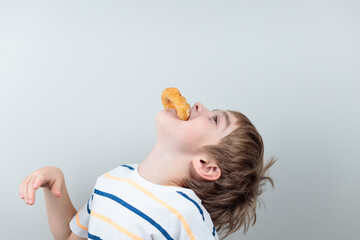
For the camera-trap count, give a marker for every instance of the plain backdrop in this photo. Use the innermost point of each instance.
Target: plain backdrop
(80, 86)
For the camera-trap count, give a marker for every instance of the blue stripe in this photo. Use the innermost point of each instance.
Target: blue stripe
(129, 167)
(194, 202)
(213, 231)
(88, 209)
(90, 236)
(135, 210)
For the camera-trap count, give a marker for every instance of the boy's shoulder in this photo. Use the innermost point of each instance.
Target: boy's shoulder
(124, 168)
(122, 171)
(195, 213)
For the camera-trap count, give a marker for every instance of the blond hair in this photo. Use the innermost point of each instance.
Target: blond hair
(232, 199)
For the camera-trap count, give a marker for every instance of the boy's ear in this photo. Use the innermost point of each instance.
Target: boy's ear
(206, 169)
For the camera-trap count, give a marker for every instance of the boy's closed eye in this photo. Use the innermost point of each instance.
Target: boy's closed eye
(215, 118)
(225, 117)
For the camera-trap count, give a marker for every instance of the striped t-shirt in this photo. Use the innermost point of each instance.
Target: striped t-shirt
(123, 205)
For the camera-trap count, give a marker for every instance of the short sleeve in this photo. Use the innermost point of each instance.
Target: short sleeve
(80, 222)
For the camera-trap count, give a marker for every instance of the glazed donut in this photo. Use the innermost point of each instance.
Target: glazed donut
(171, 98)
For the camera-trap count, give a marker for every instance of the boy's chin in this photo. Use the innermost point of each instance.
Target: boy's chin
(171, 112)
(166, 115)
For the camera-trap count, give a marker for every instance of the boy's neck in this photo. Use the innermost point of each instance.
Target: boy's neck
(163, 167)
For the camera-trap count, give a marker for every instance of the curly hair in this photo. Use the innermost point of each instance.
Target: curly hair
(232, 199)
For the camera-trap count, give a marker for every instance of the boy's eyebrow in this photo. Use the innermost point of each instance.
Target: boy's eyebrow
(226, 116)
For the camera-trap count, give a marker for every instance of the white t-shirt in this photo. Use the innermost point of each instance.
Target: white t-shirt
(123, 205)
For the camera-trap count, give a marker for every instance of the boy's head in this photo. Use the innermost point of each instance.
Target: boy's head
(225, 152)
(229, 171)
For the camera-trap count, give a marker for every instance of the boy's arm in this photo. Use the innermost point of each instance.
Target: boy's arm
(60, 211)
(59, 208)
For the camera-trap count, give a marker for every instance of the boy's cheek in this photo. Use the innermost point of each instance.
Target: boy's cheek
(191, 136)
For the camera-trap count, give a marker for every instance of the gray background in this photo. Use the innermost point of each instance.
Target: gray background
(81, 84)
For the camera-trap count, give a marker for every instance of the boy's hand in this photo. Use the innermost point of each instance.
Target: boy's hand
(46, 177)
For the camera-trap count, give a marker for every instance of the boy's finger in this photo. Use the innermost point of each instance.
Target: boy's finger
(20, 191)
(38, 182)
(31, 191)
(55, 189)
(24, 188)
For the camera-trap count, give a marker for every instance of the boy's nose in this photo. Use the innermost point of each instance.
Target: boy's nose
(199, 108)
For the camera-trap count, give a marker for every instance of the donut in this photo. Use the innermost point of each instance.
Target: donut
(171, 98)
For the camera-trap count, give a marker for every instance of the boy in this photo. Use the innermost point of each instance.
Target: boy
(215, 156)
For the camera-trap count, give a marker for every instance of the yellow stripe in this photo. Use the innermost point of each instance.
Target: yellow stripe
(78, 222)
(116, 226)
(149, 194)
